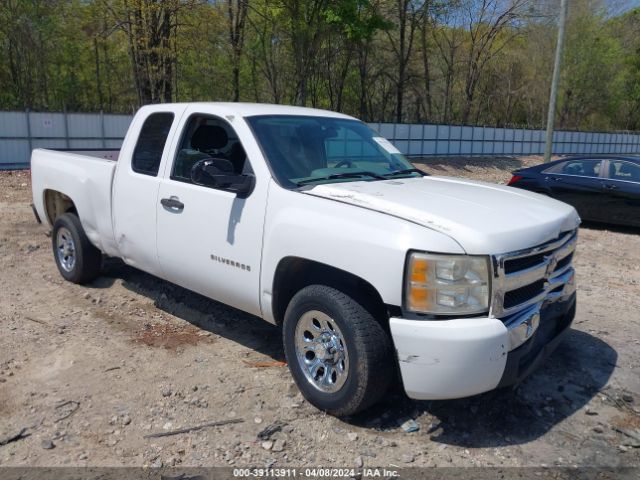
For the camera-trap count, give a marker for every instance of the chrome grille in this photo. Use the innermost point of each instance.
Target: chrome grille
(528, 278)
(522, 263)
(521, 295)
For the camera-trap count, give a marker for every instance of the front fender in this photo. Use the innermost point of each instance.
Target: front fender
(363, 242)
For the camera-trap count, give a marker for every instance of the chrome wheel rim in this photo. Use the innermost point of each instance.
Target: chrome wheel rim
(321, 351)
(65, 249)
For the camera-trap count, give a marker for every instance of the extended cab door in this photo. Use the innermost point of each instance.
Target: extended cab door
(137, 179)
(209, 240)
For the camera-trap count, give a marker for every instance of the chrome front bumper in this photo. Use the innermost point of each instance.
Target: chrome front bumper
(522, 325)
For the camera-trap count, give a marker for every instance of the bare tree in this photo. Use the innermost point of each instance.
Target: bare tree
(448, 36)
(150, 28)
(267, 53)
(306, 24)
(487, 19)
(406, 15)
(430, 9)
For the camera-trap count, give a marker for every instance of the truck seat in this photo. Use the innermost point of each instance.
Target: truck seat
(204, 142)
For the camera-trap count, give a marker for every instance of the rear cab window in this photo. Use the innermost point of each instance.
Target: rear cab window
(151, 142)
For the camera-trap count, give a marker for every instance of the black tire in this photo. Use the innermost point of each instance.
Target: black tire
(370, 360)
(87, 258)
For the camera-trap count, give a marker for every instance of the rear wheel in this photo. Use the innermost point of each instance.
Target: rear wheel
(77, 259)
(338, 353)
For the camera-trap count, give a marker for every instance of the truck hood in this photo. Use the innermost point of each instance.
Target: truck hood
(484, 218)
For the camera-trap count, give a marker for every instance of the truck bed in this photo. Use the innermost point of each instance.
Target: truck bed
(86, 178)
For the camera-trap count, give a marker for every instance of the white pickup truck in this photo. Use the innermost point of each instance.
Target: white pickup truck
(312, 221)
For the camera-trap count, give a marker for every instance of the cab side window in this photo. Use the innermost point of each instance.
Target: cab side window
(151, 141)
(621, 170)
(208, 137)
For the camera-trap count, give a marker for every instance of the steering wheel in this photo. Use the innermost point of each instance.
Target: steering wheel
(344, 163)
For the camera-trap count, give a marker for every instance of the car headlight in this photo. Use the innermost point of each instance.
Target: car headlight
(447, 284)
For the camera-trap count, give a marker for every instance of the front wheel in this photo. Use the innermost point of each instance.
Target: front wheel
(77, 259)
(338, 353)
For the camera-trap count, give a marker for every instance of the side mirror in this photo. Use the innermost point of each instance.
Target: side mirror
(218, 173)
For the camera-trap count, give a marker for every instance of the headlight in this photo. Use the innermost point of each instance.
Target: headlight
(447, 284)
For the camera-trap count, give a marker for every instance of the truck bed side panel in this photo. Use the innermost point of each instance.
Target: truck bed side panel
(86, 181)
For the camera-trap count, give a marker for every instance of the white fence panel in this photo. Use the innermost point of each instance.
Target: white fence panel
(20, 132)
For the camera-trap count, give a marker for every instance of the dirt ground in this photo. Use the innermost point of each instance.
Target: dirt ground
(90, 371)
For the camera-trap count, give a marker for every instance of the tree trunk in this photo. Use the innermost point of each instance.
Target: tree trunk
(426, 69)
(236, 16)
(363, 71)
(98, 77)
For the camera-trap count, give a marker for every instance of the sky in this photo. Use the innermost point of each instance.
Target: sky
(619, 6)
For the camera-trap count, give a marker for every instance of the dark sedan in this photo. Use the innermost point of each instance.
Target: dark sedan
(601, 188)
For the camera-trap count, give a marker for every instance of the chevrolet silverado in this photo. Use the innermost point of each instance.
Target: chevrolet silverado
(312, 221)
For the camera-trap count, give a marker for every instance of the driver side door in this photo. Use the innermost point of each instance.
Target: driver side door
(209, 240)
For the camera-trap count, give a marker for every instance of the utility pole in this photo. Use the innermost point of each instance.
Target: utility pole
(551, 114)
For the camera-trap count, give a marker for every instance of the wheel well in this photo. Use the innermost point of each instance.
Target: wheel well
(57, 203)
(294, 273)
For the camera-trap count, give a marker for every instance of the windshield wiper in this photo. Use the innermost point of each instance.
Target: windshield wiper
(404, 172)
(342, 175)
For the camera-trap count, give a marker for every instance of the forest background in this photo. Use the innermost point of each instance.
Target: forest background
(476, 62)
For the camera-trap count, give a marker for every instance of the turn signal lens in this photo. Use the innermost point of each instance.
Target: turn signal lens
(419, 298)
(419, 270)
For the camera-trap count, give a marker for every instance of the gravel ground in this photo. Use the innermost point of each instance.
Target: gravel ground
(90, 371)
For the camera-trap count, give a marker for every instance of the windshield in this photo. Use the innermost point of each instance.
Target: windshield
(306, 150)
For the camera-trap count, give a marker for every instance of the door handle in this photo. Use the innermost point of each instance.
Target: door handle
(172, 203)
(608, 186)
